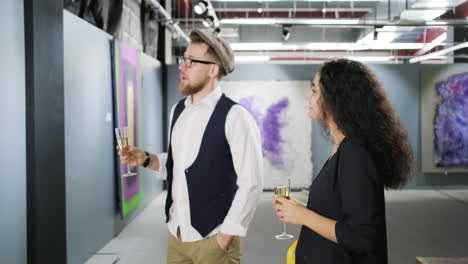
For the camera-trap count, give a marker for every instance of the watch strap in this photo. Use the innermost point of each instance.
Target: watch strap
(147, 160)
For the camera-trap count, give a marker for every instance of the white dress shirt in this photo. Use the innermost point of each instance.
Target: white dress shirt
(244, 140)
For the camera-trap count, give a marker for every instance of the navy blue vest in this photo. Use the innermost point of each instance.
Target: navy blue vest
(211, 179)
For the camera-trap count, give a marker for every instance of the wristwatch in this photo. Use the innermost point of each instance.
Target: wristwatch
(147, 160)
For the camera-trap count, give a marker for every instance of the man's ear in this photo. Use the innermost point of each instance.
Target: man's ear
(214, 71)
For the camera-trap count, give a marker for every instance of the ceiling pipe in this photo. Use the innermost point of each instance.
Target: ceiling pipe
(439, 53)
(266, 1)
(298, 9)
(434, 36)
(348, 22)
(170, 22)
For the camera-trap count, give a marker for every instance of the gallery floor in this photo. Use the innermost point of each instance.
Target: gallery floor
(419, 223)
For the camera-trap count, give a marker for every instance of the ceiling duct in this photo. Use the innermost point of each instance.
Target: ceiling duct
(170, 22)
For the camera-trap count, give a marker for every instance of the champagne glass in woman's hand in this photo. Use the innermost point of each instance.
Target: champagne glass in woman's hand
(284, 191)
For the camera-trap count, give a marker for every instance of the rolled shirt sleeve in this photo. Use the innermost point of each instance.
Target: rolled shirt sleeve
(362, 226)
(162, 172)
(245, 142)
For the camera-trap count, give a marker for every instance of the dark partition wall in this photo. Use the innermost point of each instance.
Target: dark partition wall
(12, 134)
(45, 144)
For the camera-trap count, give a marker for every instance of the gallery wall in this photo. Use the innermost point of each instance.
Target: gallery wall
(402, 84)
(92, 215)
(12, 134)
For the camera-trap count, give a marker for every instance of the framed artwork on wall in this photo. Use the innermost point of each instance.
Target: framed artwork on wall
(444, 118)
(126, 84)
(280, 111)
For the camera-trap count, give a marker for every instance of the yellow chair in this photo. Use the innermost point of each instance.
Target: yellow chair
(291, 255)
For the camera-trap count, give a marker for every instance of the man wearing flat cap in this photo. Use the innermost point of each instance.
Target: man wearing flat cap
(214, 162)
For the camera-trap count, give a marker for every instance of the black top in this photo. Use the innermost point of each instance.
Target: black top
(350, 190)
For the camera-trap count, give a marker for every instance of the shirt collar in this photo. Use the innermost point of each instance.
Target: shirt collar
(210, 100)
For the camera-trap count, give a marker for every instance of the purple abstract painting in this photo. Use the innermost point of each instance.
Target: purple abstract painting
(270, 125)
(451, 122)
(279, 109)
(126, 89)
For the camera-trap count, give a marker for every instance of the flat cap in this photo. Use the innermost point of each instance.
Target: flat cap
(220, 46)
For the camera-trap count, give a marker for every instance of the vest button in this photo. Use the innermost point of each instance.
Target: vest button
(186, 170)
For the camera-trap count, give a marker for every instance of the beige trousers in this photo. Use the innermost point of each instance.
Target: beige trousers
(205, 251)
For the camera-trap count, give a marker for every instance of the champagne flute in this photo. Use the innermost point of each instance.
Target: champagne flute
(284, 191)
(122, 135)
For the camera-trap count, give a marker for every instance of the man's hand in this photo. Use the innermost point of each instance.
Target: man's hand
(223, 240)
(132, 155)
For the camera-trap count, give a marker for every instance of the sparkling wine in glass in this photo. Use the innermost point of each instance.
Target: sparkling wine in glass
(284, 191)
(122, 135)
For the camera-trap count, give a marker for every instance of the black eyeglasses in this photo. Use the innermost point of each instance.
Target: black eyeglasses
(188, 61)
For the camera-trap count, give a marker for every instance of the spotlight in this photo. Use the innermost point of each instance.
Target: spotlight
(208, 21)
(286, 32)
(200, 7)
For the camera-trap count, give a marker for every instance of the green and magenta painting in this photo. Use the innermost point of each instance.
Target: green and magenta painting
(126, 91)
(451, 122)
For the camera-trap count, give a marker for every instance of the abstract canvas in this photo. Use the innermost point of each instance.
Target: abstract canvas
(126, 86)
(451, 122)
(280, 111)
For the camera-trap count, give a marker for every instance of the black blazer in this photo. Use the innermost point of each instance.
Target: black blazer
(350, 190)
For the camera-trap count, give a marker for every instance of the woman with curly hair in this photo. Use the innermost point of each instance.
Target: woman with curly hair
(344, 219)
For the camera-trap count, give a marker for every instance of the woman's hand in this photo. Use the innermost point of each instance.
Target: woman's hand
(290, 210)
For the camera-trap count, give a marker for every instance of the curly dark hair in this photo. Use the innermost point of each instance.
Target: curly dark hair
(354, 99)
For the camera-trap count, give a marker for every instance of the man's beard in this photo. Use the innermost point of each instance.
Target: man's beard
(189, 89)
